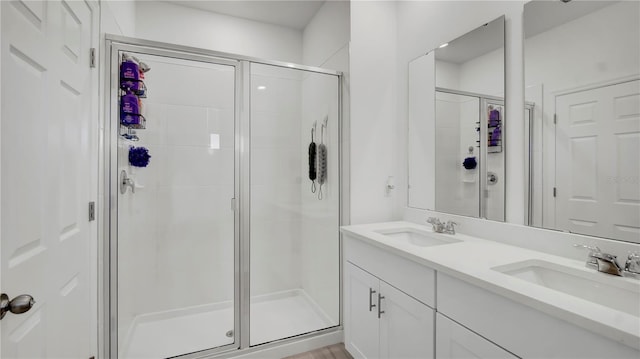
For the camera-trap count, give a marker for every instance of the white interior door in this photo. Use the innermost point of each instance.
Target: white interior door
(598, 162)
(46, 152)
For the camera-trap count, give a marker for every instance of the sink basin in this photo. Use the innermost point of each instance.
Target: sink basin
(417, 237)
(613, 292)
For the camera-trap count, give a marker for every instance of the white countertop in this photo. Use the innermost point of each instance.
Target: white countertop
(471, 260)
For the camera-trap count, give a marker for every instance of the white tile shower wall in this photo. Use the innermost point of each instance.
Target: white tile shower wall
(275, 179)
(167, 22)
(176, 232)
(325, 44)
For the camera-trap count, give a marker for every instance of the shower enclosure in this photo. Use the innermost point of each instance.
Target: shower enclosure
(221, 241)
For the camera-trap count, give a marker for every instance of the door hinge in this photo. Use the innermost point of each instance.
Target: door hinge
(555, 191)
(92, 211)
(555, 118)
(233, 204)
(92, 57)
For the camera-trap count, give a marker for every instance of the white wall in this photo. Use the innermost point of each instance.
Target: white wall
(375, 125)
(178, 24)
(326, 34)
(118, 17)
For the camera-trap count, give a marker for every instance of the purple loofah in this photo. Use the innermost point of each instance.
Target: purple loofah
(470, 163)
(139, 156)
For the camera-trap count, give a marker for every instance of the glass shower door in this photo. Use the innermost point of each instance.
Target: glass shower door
(177, 230)
(294, 223)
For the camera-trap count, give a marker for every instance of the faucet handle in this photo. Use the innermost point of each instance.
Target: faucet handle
(433, 220)
(449, 227)
(632, 265)
(591, 260)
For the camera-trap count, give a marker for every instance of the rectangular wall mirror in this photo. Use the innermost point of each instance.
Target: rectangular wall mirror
(456, 125)
(582, 71)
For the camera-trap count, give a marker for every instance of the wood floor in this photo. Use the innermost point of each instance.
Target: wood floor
(336, 351)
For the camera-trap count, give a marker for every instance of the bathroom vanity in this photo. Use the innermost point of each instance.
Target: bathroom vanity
(413, 293)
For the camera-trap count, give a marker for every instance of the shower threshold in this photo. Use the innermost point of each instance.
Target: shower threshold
(273, 316)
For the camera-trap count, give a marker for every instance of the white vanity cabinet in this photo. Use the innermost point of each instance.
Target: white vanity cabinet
(383, 320)
(362, 327)
(453, 341)
(520, 329)
(390, 309)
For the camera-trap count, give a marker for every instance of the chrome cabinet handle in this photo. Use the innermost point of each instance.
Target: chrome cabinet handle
(380, 311)
(371, 305)
(17, 305)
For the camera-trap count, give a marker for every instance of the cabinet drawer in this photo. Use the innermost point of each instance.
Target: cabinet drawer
(520, 329)
(454, 341)
(410, 277)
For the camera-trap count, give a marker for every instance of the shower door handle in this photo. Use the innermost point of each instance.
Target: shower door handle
(371, 305)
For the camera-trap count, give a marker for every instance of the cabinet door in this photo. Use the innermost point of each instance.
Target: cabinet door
(361, 313)
(454, 341)
(406, 326)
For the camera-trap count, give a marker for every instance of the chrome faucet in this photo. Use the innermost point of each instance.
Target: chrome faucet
(600, 261)
(632, 266)
(440, 227)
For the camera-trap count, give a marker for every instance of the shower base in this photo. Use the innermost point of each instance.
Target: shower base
(273, 316)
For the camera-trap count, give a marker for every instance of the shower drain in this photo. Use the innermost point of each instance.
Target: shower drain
(229, 333)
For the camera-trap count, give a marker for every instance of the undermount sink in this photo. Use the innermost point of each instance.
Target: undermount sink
(417, 237)
(607, 290)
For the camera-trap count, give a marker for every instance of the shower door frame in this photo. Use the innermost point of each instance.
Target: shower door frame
(107, 250)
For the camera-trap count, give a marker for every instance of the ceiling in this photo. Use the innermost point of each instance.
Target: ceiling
(539, 16)
(475, 43)
(294, 14)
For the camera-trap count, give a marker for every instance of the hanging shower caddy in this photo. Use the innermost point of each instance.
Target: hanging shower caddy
(132, 91)
(494, 129)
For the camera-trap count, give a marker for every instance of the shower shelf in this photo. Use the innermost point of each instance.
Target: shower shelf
(141, 92)
(141, 125)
